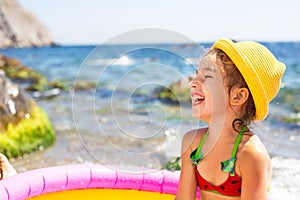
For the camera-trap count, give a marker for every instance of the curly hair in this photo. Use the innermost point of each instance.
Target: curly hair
(233, 77)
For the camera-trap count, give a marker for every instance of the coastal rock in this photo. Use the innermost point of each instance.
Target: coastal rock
(83, 86)
(13, 104)
(176, 92)
(15, 70)
(20, 28)
(24, 127)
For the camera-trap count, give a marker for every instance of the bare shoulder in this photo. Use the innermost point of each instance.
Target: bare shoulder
(254, 166)
(187, 181)
(253, 152)
(253, 147)
(192, 138)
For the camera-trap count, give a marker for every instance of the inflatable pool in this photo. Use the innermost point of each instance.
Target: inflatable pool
(89, 182)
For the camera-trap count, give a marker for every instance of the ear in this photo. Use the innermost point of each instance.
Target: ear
(238, 96)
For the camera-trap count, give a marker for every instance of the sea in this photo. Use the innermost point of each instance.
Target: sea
(120, 121)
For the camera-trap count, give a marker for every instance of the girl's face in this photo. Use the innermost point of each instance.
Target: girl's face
(208, 93)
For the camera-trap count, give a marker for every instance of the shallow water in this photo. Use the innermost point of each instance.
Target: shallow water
(285, 178)
(94, 137)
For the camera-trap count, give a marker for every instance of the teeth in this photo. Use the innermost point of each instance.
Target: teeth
(198, 98)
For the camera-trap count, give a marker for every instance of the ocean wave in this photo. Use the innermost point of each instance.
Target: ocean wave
(121, 61)
(285, 179)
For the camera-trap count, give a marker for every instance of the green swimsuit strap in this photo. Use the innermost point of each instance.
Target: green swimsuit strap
(202, 142)
(228, 165)
(238, 140)
(197, 155)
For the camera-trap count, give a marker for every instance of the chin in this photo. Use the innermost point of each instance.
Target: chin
(200, 116)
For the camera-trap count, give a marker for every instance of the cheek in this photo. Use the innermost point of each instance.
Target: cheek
(218, 97)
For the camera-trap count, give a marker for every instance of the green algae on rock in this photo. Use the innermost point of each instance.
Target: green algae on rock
(173, 164)
(177, 92)
(24, 127)
(31, 133)
(15, 70)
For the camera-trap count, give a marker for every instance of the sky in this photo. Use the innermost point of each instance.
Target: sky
(98, 21)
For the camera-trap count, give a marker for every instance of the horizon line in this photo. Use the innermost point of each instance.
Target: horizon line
(158, 43)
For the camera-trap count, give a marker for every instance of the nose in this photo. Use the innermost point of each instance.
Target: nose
(194, 83)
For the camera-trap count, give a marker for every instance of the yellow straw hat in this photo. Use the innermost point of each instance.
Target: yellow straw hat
(260, 69)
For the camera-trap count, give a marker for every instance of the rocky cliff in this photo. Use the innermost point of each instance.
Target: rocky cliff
(20, 28)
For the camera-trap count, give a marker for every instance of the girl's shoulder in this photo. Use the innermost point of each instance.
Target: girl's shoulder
(253, 145)
(253, 150)
(192, 138)
(253, 159)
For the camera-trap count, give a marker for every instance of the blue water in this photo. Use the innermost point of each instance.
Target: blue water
(106, 64)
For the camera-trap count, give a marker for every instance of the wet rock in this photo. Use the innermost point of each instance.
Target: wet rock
(84, 85)
(15, 70)
(24, 127)
(13, 104)
(177, 92)
(173, 164)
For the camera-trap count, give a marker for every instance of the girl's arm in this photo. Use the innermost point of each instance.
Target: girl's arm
(255, 169)
(187, 182)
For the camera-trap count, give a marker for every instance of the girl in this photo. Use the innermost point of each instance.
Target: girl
(233, 86)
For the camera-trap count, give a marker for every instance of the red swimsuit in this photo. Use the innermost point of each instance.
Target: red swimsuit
(233, 185)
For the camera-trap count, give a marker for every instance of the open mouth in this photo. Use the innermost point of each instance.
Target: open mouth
(197, 99)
